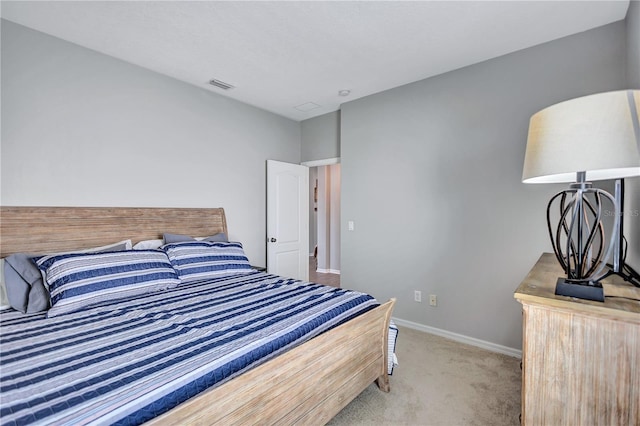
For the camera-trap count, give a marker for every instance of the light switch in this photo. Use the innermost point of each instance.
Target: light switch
(350, 225)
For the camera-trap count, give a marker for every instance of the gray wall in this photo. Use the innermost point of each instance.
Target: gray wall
(431, 171)
(320, 137)
(431, 175)
(633, 44)
(632, 186)
(84, 129)
(334, 218)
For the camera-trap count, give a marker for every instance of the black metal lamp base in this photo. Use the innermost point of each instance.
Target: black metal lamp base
(580, 289)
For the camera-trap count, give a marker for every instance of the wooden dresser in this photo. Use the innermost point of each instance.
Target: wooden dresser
(581, 359)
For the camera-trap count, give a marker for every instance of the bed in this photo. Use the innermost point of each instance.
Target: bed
(305, 383)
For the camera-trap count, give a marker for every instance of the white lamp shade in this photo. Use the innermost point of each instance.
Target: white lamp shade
(597, 134)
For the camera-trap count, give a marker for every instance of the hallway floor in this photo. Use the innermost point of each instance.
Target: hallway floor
(321, 278)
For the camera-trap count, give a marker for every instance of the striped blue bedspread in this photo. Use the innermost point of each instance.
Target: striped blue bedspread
(128, 362)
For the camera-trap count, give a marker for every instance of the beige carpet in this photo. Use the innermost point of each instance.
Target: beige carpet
(322, 278)
(441, 382)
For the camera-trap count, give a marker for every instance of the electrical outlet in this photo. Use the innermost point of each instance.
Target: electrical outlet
(417, 296)
(433, 300)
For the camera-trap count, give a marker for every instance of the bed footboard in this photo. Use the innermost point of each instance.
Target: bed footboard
(306, 385)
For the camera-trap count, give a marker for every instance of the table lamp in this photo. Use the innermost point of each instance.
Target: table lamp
(581, 140)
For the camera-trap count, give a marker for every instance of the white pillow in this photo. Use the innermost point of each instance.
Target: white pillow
(148, 245)
(127, 246)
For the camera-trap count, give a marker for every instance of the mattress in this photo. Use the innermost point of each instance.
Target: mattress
(130, 361)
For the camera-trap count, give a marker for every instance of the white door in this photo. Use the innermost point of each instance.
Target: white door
(288, 220)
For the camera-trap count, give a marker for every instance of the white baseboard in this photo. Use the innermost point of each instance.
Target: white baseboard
(328, 271)
(460, 338)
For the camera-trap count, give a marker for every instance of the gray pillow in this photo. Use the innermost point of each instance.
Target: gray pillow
(218, 238)
(23, 281)
(177, 238)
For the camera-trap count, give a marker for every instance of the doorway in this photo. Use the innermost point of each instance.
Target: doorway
(324, 224)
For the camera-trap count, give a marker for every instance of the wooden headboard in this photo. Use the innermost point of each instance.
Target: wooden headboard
(54, 229)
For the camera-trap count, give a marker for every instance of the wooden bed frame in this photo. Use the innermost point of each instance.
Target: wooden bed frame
(306, 385)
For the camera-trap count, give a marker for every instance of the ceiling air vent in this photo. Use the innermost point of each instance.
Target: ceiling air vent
(220, 84)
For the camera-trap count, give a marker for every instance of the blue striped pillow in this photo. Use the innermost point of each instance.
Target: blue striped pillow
(196, 260)
(81, 280)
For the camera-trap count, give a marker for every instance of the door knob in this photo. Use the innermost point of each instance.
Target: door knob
(273, 240)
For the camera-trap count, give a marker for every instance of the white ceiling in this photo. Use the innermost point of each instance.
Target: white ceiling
(281, 54)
